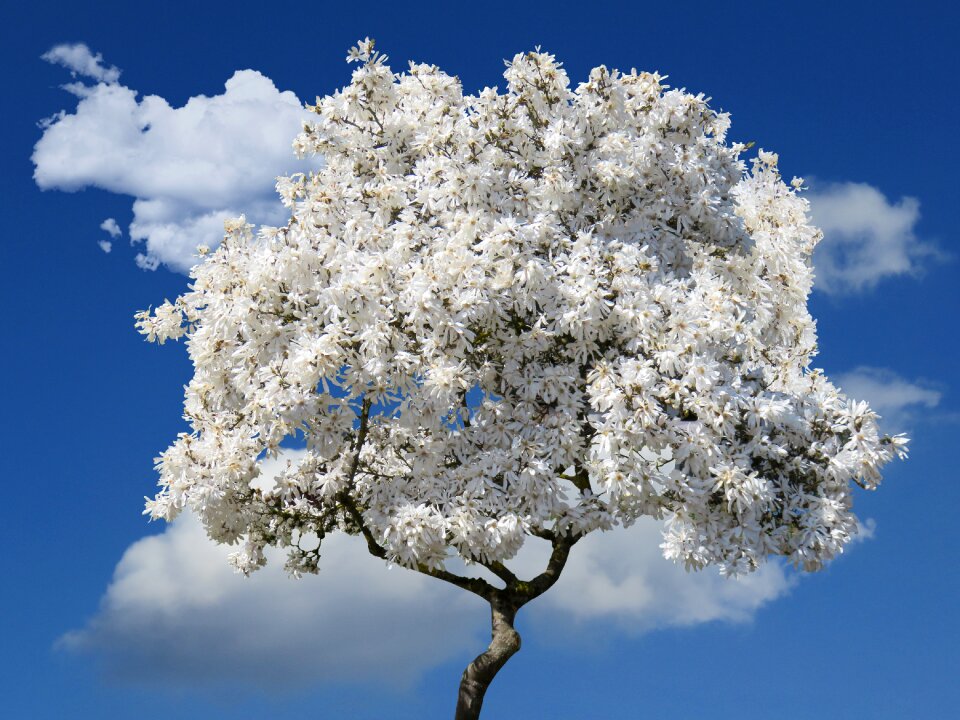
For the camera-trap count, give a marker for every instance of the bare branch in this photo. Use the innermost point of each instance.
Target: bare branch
(373, 546)
(344, 497)
(527, 591)
(478, 586)
(501, 571)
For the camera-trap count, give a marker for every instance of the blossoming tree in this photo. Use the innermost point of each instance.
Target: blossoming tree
(531, 314)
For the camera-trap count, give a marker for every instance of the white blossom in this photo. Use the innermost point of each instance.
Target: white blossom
(551, 309)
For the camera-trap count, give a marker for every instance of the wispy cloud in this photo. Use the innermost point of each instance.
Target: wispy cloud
(188, 168)
(866, 237)
(899, 402)
(78, 59)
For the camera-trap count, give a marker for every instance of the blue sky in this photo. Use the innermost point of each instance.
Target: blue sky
(101, 622)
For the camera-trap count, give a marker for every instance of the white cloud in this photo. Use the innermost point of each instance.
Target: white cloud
(105, 245)
(176, 612)
(866, 237)
(110, 226)
(622, 576)
(78, 59)
(188, 168)
(898, 401)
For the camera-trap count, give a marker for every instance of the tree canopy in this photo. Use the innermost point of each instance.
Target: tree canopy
(540, 312)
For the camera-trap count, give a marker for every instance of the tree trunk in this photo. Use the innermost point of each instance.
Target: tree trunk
(504, 642)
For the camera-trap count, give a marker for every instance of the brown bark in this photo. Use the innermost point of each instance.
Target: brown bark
(504, 639)
(504, 643)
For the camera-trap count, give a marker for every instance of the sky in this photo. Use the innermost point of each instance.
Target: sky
(131, 131)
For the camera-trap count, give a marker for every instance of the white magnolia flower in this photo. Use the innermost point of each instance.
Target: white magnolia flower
(541, 312)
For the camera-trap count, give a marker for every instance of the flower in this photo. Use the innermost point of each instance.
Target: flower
(494, 315)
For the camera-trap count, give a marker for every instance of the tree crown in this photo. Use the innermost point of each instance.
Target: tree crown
(543, 311)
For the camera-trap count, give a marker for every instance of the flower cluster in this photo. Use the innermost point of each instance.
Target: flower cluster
(543, 310)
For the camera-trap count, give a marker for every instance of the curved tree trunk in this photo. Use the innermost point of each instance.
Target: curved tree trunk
(504, 642)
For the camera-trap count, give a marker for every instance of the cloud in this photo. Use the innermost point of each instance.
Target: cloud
(898, 401)
(191, 167)
(188, 168)
(110, 226)
(105, 245)
(622, 577)
(176, 613)
(866, 238)
(78, 59)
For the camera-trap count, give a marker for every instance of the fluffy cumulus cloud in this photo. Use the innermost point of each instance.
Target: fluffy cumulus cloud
(898, 401)
(866, 237)
(188, 168)
(176, 612)
(622, 577)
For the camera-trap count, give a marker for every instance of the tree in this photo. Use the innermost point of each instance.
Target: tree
(531, 314)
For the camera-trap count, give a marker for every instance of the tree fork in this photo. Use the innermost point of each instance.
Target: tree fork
(504, 638)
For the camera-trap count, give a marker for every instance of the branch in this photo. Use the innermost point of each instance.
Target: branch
(465, 417)
(344, 497)
(536, 587)
(375, 548)
(501, 571)
(478, 586)
(361, 437)
(543, 534)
